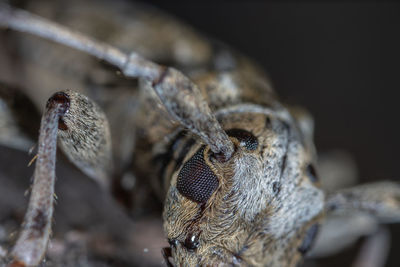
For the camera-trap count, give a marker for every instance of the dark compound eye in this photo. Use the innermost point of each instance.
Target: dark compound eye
(196, 180)
(246, 138)
(191, 242)
(309, 239)
(311, 173)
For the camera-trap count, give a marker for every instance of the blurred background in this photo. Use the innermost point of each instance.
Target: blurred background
(339, 60)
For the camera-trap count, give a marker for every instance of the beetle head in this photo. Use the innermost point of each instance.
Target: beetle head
(255, 208)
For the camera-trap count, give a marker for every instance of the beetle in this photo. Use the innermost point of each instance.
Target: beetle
(221, 215)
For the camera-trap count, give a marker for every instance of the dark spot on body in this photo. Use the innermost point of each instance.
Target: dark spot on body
(332, 206)
(311, 173)
(39, 222)
(236, 259)
(268, 122)
(164, 72)
(276, 187)
(284, 161)
(309, 239)
(59, 98)
(61, 125)
(173, 242)
(246, 138)
(220, 157)
(62, 99)
(242, 250)
(262, 150)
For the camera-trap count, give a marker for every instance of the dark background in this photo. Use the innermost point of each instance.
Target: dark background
(339, 60)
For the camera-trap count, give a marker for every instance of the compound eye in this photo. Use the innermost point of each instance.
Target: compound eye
(191, 242)
(246, 138)
(196, 180)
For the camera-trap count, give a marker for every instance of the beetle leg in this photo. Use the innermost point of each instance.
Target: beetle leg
(338, 232)
(374, 250)
(179, 95)
(32, 242)
(355, 212)
(84, 137)
(380, 200)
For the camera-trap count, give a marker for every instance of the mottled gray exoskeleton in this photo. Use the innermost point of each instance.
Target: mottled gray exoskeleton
(202, 128)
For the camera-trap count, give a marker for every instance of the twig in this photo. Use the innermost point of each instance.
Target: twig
(32, 242)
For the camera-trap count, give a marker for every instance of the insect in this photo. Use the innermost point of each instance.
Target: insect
(237, 172)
